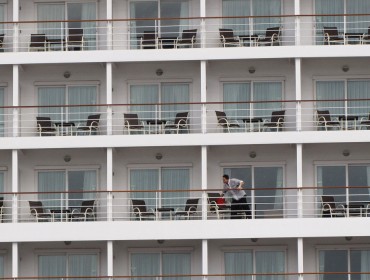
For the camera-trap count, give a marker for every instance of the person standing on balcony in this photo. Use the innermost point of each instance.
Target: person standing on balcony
(233, 191)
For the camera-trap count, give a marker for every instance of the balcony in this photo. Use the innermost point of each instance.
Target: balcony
(182, 205)
(185, 118)
(247, 32)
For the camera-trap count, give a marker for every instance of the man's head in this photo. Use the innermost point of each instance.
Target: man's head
(225, 178)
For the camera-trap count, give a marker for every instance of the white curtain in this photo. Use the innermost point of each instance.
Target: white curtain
(176, 264)
(279, 193)
(145, 264)
(52, 12)
(365, 264)
(271, 8)
(145, 180)
(2, 125)
(236, 8)
(330, 90)
(1, 266)
(358, 90)
(175, 179)
(184, 13)
(89, 27)
(174, 93)
(80, 185)
(144, 94)
(83, 266)
(238, 263)
(368, 178)
(52, 266)
(263, 92)
(270, 262)
(358, 23)
(2, 189)
(237, 92)
(52, 181)
(81, 95)
(51, 96)
(2, 18)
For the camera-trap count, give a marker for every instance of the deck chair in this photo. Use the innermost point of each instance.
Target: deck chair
(45, 127)
(140, 210)
(1, 209)
(149, 40)
(324, 120)
(2, 42)
(38, 211)
(85, 213)
(132, 123)
(38, 43)
(75, 39)
(365, 122)
(271, 37)
(188, 38)
(180, 123)
(224, 122)
(276, 121)
(228, 38)
(365, 39)
(219, 209)
(330, 209)
(190, 209)
(91, 126)
(331, 36)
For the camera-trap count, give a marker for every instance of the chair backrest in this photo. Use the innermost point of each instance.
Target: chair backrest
(271, 31)
(1, 40)
(191, 204)
(36, 206)
(132, 119)
(328, 199)
(139, 204)
(44, 122)
(93, 120)
(181, 117)
(87, 204)
(221, 117)
(277, 115)
(149, 35)
(331, 30)
(1, 201)
(188, 34)
(226, 33)
(323, 114)
(38, 40)
(75, 34)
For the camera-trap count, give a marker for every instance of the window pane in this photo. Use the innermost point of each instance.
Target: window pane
(144, 180)
(359, 90)
(267, 198)
(145, 264)
(332, 176)
(174, 93)
(2, 124)
(82, 266)
(359, 176)
(79, 182)
(52, 181)
(176, 264)
(360, 262)
(270, 262)
(175, 179)
(238, 263)
(81, 95)
(52, 266)
(358, 23)
(241, 173)
(266, 8)
(173, 9)
(267, 91)
(237, 92)
(236, 8)
(144, 94)
(51, 12)
(333, 261)
(2, 188)
(330, 90)
(2, 18)
(1, 266)
(51, 96)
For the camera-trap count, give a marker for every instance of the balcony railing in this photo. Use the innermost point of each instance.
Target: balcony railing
(185, 118)
(126, 34)
(176, 205)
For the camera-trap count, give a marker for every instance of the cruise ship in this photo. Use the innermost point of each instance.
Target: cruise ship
(119, 118)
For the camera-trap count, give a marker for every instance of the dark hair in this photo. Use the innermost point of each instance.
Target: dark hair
(226, 176)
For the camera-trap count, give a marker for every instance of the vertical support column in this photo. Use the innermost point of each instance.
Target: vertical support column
(298, 90)
(15, 258)
(110, 258)
(299, 180)
(203, 35)
(205, 259)
(204, 182)
(109, 25)
(300, 258)
(109, 184)
(16, 25)
(109, 98)
(203, 94)
(15, 189)
(297, 12)
(15, 100)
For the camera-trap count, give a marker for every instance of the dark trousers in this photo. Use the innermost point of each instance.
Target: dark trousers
(239, 208)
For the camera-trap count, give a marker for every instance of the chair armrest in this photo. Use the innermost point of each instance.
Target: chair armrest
(136, 210)
(342, 207)
(335, 119)
(364, 119)
(75, 211)
(326, 206)
(223, 40)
